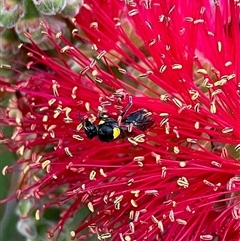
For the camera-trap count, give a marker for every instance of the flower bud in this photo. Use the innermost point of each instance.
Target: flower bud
(9, 43)
(57, 25)
(29, 28)
(1, 29)
(50, 7)
(32, 25)
(72, 8)
(5, 69)
(10, 13)
(24, 207)
(29, 24)
(27, 228)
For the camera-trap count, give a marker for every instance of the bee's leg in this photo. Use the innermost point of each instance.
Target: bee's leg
(126, 110)
(81, 122)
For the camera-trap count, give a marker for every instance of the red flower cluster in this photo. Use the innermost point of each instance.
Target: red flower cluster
(178, 180)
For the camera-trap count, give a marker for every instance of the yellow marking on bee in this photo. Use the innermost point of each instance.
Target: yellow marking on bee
(116, 132)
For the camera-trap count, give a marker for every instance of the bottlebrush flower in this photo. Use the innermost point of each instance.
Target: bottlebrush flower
(178, 180)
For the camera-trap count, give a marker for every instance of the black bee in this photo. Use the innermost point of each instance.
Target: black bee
(109, 129)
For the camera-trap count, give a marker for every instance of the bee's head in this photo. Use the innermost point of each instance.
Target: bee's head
(90, 129)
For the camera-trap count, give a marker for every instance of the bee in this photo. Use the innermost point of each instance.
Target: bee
(109, 129)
